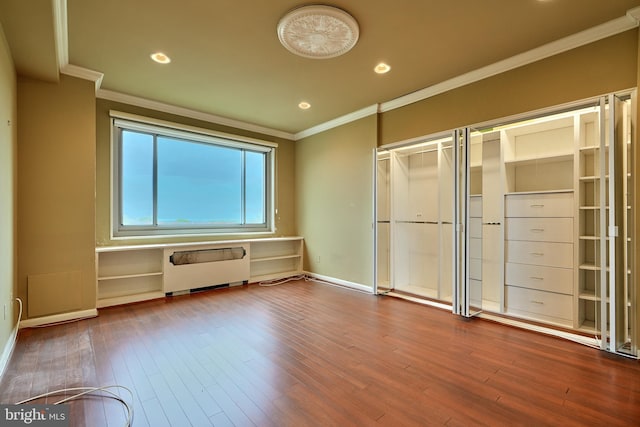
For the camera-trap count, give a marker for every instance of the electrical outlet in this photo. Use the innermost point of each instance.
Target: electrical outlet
(318, 258)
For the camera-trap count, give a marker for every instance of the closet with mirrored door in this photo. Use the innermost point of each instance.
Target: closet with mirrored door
(527, 220)
(414, 219)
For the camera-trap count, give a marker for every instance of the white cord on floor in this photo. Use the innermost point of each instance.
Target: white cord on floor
(268, 283)
(85, 391)
(306, 278)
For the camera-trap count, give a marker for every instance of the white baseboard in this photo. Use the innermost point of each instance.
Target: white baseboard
(8, 351)
(340, 282)
(57, 318)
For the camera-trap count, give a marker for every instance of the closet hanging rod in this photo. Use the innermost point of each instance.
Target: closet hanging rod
(411, 153)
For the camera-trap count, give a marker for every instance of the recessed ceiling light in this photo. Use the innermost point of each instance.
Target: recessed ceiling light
(160, 58)
(304, 105)
(382, 68)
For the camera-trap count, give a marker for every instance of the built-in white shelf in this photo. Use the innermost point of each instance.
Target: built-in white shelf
(133, 273)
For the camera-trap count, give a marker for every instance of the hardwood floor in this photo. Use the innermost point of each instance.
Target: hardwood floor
(307, 354)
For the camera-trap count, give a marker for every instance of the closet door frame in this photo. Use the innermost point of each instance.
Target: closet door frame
(607, 326)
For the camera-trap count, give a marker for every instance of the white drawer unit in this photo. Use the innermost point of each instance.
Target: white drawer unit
(534, 205)
(539, 305)
(551, 279)
(540, 253)
(540, 229)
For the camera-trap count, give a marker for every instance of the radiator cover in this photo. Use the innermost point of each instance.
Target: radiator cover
(203, 266)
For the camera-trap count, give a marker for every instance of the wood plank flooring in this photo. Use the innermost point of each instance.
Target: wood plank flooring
(307, 354)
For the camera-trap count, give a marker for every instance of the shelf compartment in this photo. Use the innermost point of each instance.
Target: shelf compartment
(272, 248)
(130, 298)
(119, 264)
(588, 315)
(275, 259)
(126, 286)
(539, 174)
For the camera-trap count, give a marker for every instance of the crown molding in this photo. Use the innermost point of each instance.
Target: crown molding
(634, 14)
(61, 32)
(591, 35)
(347, 118)
(186, 112)
(83, 73)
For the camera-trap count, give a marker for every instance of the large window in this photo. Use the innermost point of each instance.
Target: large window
(176, 181)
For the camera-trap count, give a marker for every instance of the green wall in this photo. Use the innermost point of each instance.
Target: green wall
(595, 69)
(8, 169)
(56, 191)
(334, 200)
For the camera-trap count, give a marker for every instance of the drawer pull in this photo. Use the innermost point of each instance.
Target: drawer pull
(537, 230)
(537, 253)
(536, 278)
(539, 205)
(537, 302)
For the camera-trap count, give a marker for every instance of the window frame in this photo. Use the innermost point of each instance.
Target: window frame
(159, 128)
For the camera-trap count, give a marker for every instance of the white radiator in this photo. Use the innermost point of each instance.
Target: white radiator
(203, 266)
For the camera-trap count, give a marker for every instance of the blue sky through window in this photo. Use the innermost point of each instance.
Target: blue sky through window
(197, 183)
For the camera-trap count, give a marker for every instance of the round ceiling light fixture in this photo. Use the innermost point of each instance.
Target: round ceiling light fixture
(318, 31)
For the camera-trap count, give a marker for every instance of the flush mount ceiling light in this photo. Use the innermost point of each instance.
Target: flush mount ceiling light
(304, 105)
(318, 31)
(160, 58)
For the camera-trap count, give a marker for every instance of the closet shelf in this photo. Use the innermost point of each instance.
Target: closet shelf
(591, 267)
(592, 178)
(592, 208)
(273, 258)
(562, 157)
(129, 276)
(583, 295)
(560, 190)
(592, 147)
